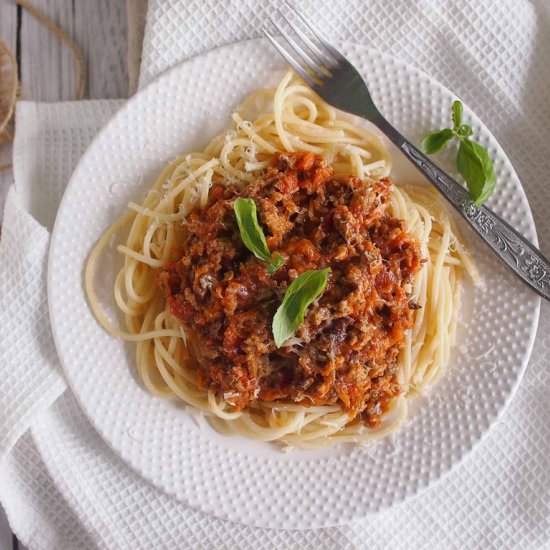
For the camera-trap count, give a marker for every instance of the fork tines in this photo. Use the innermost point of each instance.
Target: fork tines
(311, 57)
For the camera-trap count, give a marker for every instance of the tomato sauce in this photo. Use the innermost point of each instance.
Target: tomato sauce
(345, 352)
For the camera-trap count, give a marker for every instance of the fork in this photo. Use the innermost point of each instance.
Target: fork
(339, 83)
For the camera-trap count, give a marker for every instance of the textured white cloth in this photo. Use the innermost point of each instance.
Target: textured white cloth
(61, 485)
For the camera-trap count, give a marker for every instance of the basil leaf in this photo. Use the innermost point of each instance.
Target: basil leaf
(472, 159)
(251, 233)
(435, 141)
(464, 130)
(298, 297)
(477, 169)
(457, 114)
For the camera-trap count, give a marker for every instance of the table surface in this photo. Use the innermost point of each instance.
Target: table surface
(47, 71)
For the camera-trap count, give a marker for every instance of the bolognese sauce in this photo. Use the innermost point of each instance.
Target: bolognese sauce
(346, 350)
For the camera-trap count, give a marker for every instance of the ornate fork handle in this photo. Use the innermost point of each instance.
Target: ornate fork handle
(524, 259)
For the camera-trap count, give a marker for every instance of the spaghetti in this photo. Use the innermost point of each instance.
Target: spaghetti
(291, 119)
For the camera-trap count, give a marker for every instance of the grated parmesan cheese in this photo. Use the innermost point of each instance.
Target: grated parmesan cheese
(230, 395)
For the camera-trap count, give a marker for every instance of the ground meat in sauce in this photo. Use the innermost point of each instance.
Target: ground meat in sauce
(346, 350)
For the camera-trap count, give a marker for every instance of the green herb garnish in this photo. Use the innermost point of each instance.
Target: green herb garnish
(277, 262)
(252, 234)
(298, 297)
(472, 160)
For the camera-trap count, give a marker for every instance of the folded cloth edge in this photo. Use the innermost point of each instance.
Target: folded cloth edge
(46, 382)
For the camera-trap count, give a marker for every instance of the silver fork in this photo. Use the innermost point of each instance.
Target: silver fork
(339, 83)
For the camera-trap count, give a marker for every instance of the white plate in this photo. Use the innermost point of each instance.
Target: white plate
(236, 479)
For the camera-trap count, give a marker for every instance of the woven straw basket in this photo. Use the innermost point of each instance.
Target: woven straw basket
(8, 92)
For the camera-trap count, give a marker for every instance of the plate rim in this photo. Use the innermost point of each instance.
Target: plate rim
(423, 485)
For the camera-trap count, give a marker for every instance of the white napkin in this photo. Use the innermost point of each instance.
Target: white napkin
(61, 485)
